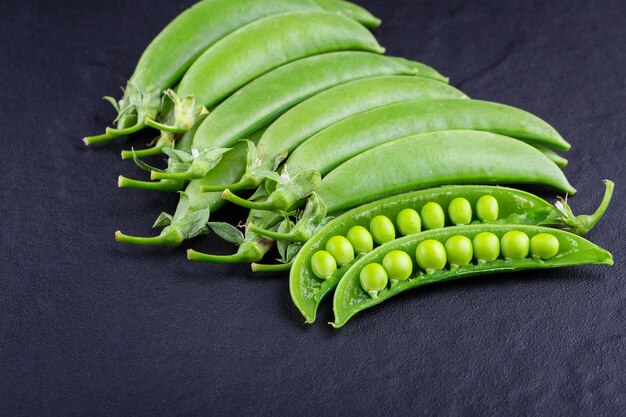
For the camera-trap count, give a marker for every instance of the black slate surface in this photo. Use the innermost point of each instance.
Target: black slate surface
(92, 328)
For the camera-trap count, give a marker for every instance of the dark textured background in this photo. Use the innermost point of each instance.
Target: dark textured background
(90, 327)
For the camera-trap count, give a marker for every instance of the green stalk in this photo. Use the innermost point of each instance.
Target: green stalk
(112, 133)
(168, 237)
(270, 268)
(275, 235)
(252, 205)
(164, 185)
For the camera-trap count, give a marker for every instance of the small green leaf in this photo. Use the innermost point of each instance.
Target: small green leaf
(163, 220)
(227, 232)
(141, 164)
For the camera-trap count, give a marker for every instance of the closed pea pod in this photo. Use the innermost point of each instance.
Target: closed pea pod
(265, 98)
(437, 158)
(266, 44)
(337, 104)
(174, 50)
(350, 297)
(516, 207)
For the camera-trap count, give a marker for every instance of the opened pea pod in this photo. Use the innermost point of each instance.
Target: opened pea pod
(385, 220)
(425, 259)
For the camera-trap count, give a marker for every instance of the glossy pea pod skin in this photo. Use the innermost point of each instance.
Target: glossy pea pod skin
(364, 131)
(180, 43)
(350, 298)
(434, 159)
(262, 100)
(341, 102)
(515, 207)
(267, 44)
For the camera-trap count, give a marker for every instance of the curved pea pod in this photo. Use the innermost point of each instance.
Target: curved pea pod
(173, 51)
(417, 162)
(350, 298)
(516, 207)
(262, 100)
(256, 49)
(338, 103)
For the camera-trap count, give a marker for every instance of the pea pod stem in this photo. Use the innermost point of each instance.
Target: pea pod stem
(270, 268)
(143, 153)
(165, 128)
(582, 224)
(247, 252)
(228, 195)
(113, 133)
(169, 237)
(275, 235)
(164, 185)
(237, 186)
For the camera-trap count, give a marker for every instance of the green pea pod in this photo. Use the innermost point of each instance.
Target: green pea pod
(516, 207)
(336, 104)
(350, 298)
(262, 46)
(174, 50)
(414, 162)
(264, 99)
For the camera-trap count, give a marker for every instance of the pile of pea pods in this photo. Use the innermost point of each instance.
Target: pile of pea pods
(369, 173)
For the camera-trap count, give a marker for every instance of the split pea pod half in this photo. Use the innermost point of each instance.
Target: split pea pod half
(183, 40)
(414, 212)
(256, 49)
(335, 104)
(354, 157)
(551, 249)
(262, 100)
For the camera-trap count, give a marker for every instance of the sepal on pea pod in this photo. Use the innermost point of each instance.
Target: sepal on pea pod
(512, 207)
(186, 223)
(286, 192)
(350, 297)
(258, 169)
(251, 248)
(189, 165)
(133, 111)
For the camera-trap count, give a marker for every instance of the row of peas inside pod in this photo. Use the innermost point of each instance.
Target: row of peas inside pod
(341, 250)
(267, 128)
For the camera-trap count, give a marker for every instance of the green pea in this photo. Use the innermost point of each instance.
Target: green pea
(431, 255)
(460, 211)
(433, 216)
(382, 229)
(361, 239)
(459, 251)
(341, 249)
(486, 247)
(409, 222)
(515, 245)
(398, 265)
(373, 279)
(544, 246)
(323, 264)
(487, 208)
